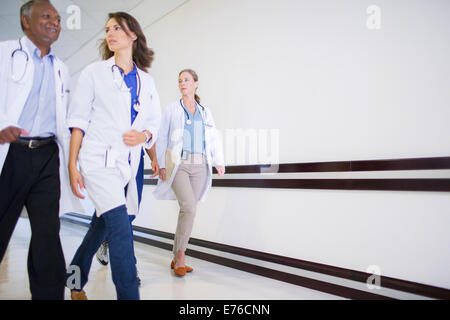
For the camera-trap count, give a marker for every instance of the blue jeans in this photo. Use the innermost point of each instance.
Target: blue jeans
(115, 226)
(130, 218)
(98, 232)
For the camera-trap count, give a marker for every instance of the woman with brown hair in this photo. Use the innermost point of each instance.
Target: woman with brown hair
(187, 148)
(114, 114)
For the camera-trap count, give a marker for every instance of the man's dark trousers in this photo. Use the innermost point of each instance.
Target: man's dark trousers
(30, 178)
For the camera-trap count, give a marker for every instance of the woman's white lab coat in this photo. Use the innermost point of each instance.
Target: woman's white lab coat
(101, 107)
(170, 144)
(13, 96)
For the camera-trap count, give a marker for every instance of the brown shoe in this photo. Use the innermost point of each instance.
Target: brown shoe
(78, 295)
(180, 272)
(188, 269)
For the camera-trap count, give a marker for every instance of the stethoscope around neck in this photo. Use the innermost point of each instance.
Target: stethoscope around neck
(123, 87)
(14, 58)
(15, 54)
(189, 121)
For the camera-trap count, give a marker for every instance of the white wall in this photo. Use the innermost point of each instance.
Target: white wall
(312, 69)
(335, 90)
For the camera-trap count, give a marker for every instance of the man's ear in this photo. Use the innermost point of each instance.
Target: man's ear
(25, 22)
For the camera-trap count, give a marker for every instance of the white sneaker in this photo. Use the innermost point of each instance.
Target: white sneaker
(102, 253)
(138, 279)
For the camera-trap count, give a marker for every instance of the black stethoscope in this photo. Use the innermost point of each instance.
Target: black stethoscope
(27, 59)
(137, 104)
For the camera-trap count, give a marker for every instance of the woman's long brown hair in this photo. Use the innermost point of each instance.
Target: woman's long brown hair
(142, 54)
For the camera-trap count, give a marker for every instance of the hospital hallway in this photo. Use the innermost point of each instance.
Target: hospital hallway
(301, 150)
(208, 281)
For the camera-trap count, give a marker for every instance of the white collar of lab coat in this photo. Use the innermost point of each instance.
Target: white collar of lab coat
(112, 61)
(25, 48)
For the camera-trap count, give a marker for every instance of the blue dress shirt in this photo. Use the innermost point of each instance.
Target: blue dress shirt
(39, 112)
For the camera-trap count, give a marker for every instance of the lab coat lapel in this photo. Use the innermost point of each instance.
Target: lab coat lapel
(181, 119)
(28, 78)
(60, 96)
(122, 109)
(125, 107)
(18, 92)
(143, 99)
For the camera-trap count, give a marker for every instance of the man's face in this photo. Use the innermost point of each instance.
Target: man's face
(44, 25)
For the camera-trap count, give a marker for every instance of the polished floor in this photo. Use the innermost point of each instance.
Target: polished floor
(209, 281)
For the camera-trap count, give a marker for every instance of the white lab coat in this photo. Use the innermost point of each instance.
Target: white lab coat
(171, 141)
(102, 109)
(13, 97)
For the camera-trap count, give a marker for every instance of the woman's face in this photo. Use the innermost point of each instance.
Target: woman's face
(117, 38)
(187, 84)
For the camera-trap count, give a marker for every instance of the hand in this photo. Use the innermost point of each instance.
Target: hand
(155, 168)
(76, 182)
(133, 138)
(220, 170)
(162, 174)
(11, 134)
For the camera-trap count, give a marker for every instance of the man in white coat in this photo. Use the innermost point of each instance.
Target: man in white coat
(34, 144)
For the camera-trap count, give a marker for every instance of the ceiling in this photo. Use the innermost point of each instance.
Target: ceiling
(93, 15)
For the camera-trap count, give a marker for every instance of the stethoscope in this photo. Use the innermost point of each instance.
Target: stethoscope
(24, 54)
(115, 68)
(189, 121)
(27, 59)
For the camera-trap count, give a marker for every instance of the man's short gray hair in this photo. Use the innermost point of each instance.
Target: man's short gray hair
(26, 8)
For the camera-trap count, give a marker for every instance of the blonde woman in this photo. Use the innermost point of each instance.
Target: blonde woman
(187, 149)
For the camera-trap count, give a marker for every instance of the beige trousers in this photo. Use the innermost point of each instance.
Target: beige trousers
(188, 185)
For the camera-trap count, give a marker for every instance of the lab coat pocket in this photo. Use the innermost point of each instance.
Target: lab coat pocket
(95, 158)
(110, 158)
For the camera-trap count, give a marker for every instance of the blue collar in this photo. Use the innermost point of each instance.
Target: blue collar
(35, 50)
(132, 72)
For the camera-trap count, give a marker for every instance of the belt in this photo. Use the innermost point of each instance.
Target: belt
(193, 158)
(34, 143)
